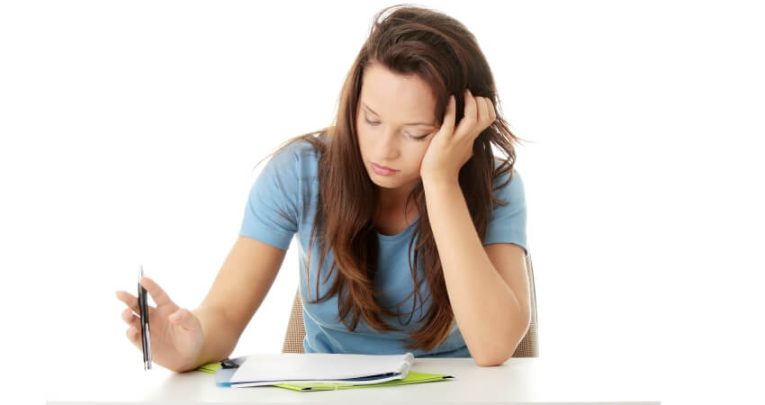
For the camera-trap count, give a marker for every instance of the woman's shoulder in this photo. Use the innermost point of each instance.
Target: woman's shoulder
(297, 158)
(298, 149)
(506, 175)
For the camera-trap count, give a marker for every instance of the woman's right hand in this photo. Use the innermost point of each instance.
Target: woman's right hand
(176, 333)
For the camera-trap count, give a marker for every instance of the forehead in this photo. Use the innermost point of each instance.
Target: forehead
(404, 98)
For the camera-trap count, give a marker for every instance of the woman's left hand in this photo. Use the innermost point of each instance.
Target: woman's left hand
(451, 148)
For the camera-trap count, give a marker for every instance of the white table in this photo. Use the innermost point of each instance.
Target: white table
(518, 381)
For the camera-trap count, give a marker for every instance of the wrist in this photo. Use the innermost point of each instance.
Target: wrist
(433, 184)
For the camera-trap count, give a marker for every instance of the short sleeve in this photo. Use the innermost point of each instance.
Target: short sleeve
(508, 222)
(271, 214)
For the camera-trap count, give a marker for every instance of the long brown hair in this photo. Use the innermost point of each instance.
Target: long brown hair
(441, 51)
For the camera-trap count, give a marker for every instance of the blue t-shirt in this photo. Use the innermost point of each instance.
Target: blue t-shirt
(282, 202)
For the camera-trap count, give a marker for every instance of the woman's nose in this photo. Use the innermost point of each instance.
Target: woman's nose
(389, 147)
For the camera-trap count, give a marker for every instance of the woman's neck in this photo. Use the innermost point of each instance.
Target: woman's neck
(393, 213)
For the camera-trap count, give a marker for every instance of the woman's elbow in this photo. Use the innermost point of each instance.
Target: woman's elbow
(499, 355)
(494, 357)
(490, 361)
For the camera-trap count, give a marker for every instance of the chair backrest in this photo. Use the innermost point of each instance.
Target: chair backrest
(529, 346)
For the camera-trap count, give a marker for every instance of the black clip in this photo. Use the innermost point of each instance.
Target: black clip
(228, 363)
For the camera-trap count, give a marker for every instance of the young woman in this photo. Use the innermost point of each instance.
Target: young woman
(411, 230)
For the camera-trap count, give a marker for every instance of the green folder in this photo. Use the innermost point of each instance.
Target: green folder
(413, 377)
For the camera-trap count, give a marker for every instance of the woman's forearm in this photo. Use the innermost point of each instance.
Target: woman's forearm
(488, 312)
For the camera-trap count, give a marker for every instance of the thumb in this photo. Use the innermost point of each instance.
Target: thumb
(183, 318)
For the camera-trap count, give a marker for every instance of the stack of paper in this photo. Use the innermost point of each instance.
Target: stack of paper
(314, 368)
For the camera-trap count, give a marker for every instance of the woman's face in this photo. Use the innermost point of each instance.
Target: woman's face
(395, 124)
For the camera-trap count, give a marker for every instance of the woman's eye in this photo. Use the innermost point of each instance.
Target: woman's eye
(418, 137)
(372, 123)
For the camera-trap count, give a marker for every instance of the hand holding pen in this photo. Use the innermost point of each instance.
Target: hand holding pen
(175, 340)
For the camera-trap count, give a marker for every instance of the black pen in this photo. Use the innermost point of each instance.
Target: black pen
(143, 312)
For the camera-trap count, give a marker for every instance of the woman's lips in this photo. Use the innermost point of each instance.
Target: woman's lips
(383, 170)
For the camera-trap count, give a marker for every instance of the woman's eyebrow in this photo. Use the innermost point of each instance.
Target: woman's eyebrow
(411, 123)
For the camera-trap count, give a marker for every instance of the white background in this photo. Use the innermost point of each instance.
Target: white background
(129, 133)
